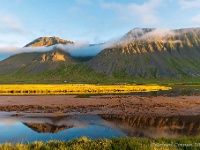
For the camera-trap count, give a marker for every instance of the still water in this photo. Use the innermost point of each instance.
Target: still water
(28, 129)
(177, 90)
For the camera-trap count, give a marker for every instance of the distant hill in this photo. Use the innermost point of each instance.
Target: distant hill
(148, 52)
(47, 41)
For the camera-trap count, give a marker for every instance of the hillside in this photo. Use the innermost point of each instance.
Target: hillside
(31, 63)
(36, 62)
(140, 56)
(47, 41)
(151, 53)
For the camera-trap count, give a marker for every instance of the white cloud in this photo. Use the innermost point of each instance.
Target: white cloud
(82, 48)
(12, 50)
(10, 24)
(196, 19)
(159, 33)
(84, 2)
(189, 4)
(9, 49)
(145, 13)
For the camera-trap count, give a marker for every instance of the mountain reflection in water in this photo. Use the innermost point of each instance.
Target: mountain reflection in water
(28, 129)
(143, 126)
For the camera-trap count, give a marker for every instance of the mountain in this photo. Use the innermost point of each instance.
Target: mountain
(150, 52)
(47, 41)
(36, 62)
(142, 52)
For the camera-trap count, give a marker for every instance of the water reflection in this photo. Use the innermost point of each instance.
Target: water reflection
(176, 91)
(143, 126)
(28, 129)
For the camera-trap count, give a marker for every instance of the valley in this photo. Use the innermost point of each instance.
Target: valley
(99, 74)
(142, 86)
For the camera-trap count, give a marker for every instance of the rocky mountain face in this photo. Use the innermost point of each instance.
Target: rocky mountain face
(150, 52)
(47, 41)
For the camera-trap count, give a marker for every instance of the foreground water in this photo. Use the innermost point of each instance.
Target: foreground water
(28, 129)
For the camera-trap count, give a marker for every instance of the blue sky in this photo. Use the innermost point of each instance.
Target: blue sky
(94, 21)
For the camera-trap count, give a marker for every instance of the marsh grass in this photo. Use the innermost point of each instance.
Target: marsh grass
(84, 143)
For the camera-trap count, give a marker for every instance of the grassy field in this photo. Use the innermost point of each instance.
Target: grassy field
(75, 88)
(80, 73)
(185, 143)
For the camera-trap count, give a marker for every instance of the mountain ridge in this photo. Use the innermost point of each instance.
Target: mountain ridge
(152, 53)
(140, 53)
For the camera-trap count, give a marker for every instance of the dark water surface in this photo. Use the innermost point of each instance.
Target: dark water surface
(177, 90)
(29, 129)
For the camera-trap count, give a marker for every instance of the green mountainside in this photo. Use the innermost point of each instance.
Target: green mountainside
(36, 62)
(148, 53)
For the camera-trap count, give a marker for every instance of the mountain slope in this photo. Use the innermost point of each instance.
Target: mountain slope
(152, 53)
(36, 62)
(47, 41)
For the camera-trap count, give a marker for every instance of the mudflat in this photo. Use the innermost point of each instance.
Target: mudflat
(107, 104)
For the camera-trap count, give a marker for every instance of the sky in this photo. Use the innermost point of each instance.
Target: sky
(92, 21)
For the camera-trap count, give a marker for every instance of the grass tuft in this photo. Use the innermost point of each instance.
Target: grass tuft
(131, 143)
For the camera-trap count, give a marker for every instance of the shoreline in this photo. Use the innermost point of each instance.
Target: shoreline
(53, 105)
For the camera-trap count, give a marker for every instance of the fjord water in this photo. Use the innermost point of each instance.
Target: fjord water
(29, 129)
(177, 90)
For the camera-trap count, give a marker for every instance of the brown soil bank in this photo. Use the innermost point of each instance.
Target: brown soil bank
(130, 105)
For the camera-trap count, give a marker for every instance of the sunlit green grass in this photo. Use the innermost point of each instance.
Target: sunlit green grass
(186, 143)
(80, 73)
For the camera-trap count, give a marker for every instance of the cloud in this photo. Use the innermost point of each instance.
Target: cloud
(12, 50)
(80, 48)
(84, 2)
(15, 50)
(12, 31)
(84, 48)
(189, 4)
(149, 34)
(10, 24)
(8, 49)
(159, 33)
(145, 13)
(196, 19)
